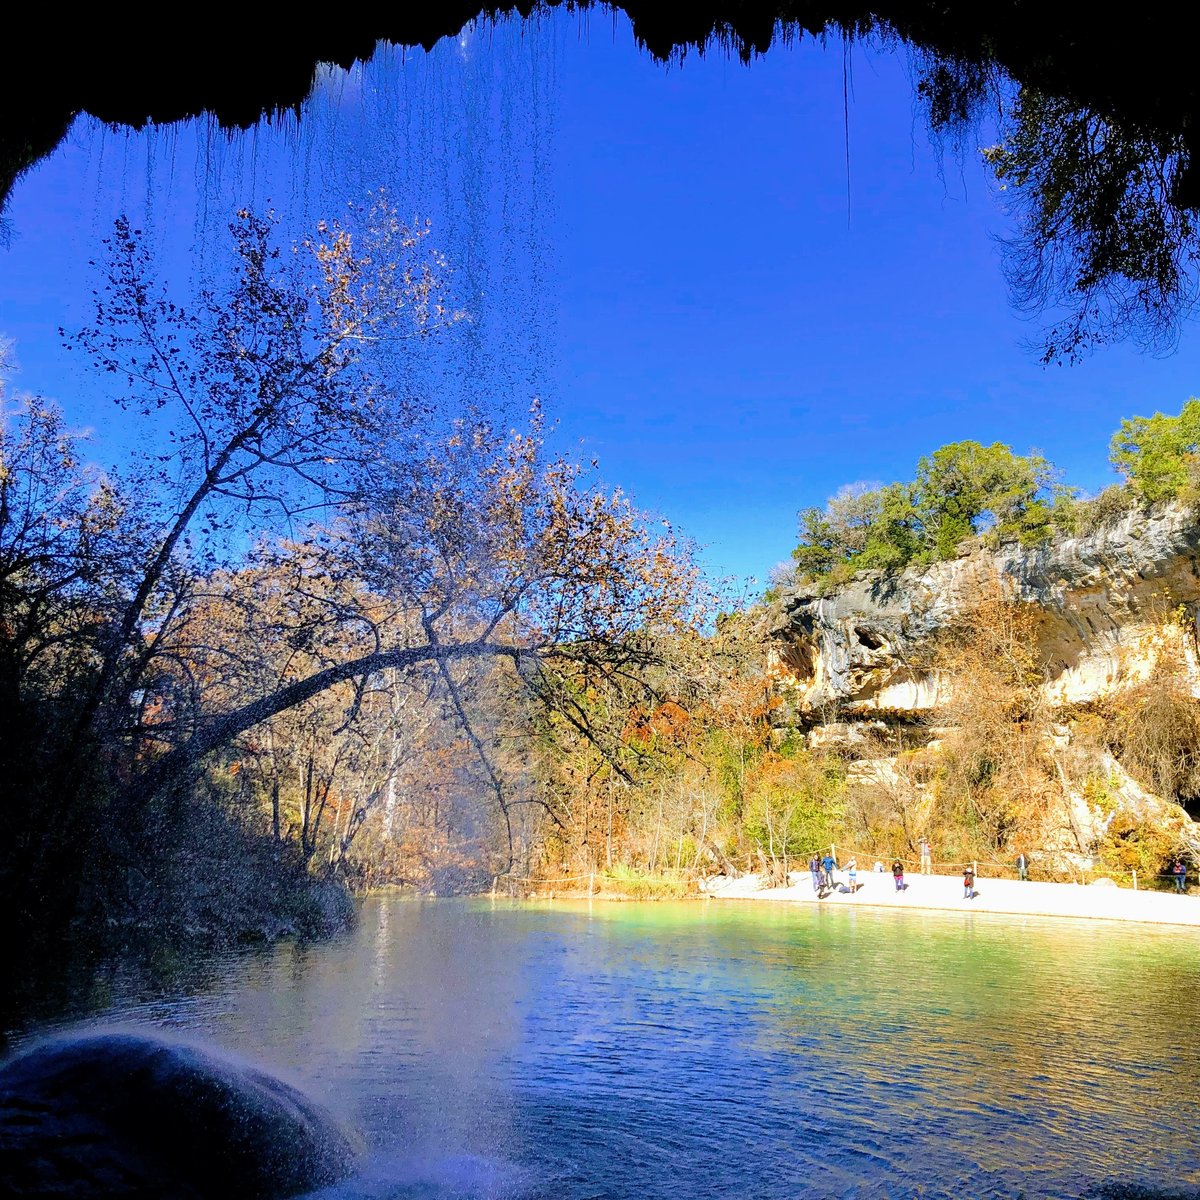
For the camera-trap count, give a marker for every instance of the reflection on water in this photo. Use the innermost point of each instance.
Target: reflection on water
(729, 1051)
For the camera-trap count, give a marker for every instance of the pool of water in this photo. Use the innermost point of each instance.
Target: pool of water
(728, 1050)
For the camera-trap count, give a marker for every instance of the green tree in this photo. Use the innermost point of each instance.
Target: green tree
(860, 528)
(793, 806)
(894, 538)
(1160, 455)
(966, 487)
(962, 489)
(820, 548)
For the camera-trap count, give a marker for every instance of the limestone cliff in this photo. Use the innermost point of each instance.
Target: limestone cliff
(860, 670)
(1105, 600)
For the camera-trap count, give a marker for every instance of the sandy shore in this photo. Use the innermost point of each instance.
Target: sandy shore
(945, 893)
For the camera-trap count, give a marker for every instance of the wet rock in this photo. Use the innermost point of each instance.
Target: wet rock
(131, 1115)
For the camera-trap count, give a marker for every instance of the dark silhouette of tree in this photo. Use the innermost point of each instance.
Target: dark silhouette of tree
(417, 539)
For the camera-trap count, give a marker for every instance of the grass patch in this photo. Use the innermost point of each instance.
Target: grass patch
(626, 881)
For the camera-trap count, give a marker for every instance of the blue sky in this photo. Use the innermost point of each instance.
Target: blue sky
(667, 253)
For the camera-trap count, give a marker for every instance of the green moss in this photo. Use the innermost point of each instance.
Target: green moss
(1100, 794)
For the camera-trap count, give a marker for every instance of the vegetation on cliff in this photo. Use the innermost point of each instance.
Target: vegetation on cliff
(725, 773)
(965, 490)
(719, 775)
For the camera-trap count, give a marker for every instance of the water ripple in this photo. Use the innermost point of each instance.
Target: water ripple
(726, 1051)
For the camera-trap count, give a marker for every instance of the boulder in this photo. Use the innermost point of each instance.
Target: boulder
(122, 1114)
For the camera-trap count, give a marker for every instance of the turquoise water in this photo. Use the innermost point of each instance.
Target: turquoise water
(728, 1050)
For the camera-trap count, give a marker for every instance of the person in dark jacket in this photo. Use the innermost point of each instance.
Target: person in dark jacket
(1022, 867)
(814, 867)
(898, 874)
(830, 865)
(1179, 871)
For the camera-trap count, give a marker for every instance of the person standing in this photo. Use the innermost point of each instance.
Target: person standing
(852, 871)
(814, 866)
(830, 865)
(968, 882)
(898, 874)
(1022, 867)
(1179, 872)
(926, 857)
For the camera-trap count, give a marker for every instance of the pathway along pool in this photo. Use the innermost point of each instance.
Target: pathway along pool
(627, 1050)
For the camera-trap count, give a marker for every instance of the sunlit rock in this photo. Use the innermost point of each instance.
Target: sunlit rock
(1107, 601)
(125, 1114)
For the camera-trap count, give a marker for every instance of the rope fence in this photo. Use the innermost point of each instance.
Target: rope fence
(865, 862)
(996, 868)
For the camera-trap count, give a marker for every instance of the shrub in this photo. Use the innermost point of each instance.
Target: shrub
(627, 881)
(1131, 844)
(1154, 727)
(1104, 510)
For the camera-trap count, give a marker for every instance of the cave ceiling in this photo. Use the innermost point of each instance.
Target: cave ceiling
(1135, 64)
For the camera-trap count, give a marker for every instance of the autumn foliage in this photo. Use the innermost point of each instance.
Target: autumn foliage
(323, 606)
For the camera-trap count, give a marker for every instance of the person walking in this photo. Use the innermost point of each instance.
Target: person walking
(852, 871)
(830, 865)
(1022, 867)
(814, 866)
(926, 857)
(1179, 872)
(968, 882)
(898, 874)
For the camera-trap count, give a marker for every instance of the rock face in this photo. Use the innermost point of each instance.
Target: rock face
(128, 1115)
(1104, 599)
